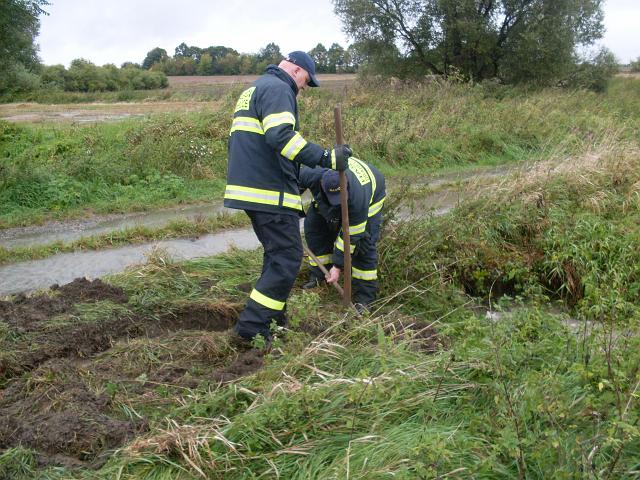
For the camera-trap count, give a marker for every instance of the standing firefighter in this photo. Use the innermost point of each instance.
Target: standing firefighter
(265, 153)
(366, 194)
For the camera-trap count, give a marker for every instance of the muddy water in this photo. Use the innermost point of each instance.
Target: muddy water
(63, 268)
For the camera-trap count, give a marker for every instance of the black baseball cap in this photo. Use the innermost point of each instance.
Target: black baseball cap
(303, 60)
(331, 186)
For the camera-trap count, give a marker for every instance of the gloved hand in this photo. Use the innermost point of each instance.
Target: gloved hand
(337, 158)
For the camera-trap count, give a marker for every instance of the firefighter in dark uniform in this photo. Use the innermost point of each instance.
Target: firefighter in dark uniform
(322, 225)
(265, 153)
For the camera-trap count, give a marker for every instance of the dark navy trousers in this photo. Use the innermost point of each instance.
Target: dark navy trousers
(279, 234)
(321, 235)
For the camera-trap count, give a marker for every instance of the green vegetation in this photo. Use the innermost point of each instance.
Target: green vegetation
(518, 42)
(428, 386)
(84, 76)
(61, 171)
(221, 60)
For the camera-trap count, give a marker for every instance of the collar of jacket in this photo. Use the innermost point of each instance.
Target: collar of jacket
(284, 76)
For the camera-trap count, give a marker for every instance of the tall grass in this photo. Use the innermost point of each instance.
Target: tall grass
(429, 385)
(62, 170)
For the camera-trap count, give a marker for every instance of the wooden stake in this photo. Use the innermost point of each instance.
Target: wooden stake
(344, 206)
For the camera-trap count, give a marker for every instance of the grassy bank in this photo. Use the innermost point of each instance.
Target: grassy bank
(62, 171)
(429, 386)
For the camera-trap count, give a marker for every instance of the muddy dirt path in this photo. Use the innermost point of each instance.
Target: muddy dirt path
(63, 268)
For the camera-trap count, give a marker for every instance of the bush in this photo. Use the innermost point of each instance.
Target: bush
(16, 78)
(635, 66)
(594, 74)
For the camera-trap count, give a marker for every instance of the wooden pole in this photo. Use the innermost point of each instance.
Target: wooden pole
(322, 268)
(344, 207)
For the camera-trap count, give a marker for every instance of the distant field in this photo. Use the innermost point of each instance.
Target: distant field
(185, 94)
(232, 79)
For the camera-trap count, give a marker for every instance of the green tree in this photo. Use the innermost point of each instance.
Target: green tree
(336, 58)
(517, 40)
(157, 55)
(183, 50)
(205, 66)
(229, 64)
(270, 54)
(19, 26)
(319, 55)
(635, 65)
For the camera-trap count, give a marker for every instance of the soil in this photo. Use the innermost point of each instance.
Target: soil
(422, 337)
(27, 313)
(63, 382)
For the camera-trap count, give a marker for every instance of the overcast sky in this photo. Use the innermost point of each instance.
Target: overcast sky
(115, 31)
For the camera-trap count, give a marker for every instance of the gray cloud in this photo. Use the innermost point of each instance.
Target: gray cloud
(125, 30)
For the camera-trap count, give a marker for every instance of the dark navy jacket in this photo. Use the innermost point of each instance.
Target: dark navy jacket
(366, 193)
(266, 149)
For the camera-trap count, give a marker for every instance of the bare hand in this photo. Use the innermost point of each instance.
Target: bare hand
(333, 276)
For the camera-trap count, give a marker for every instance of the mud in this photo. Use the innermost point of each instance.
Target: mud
(64, 380)
(56, 414)
(27, 312)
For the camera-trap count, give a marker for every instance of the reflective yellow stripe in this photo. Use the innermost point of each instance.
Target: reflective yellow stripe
(376, 207)
(333, 159)
(292, 201)
(293, 146)
(340, 244)
(324, 260)
(276, 119)
(246, 124)
(356, 229)
(262, 299)
(364, 274)
(253, 195)
(369, 172)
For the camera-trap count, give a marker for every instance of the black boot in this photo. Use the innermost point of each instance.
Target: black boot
(312, 283)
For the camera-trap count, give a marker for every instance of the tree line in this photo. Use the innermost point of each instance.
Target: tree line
(22, 71)
(514, 41)
(509, 41)
(221, 60)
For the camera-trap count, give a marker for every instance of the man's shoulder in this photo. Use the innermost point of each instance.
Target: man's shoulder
(271, 81)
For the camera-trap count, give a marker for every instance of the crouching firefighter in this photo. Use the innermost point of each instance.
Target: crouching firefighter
(322, 226)
(265, 153)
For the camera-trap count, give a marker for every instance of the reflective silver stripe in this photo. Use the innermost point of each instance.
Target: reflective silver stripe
(246, 124)
(254, 195)
(276, 119)
(340, 244)
(356, 229)
(376, 207)
(364, 274)
(324, 260)
(293, 147)
(292, 201)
